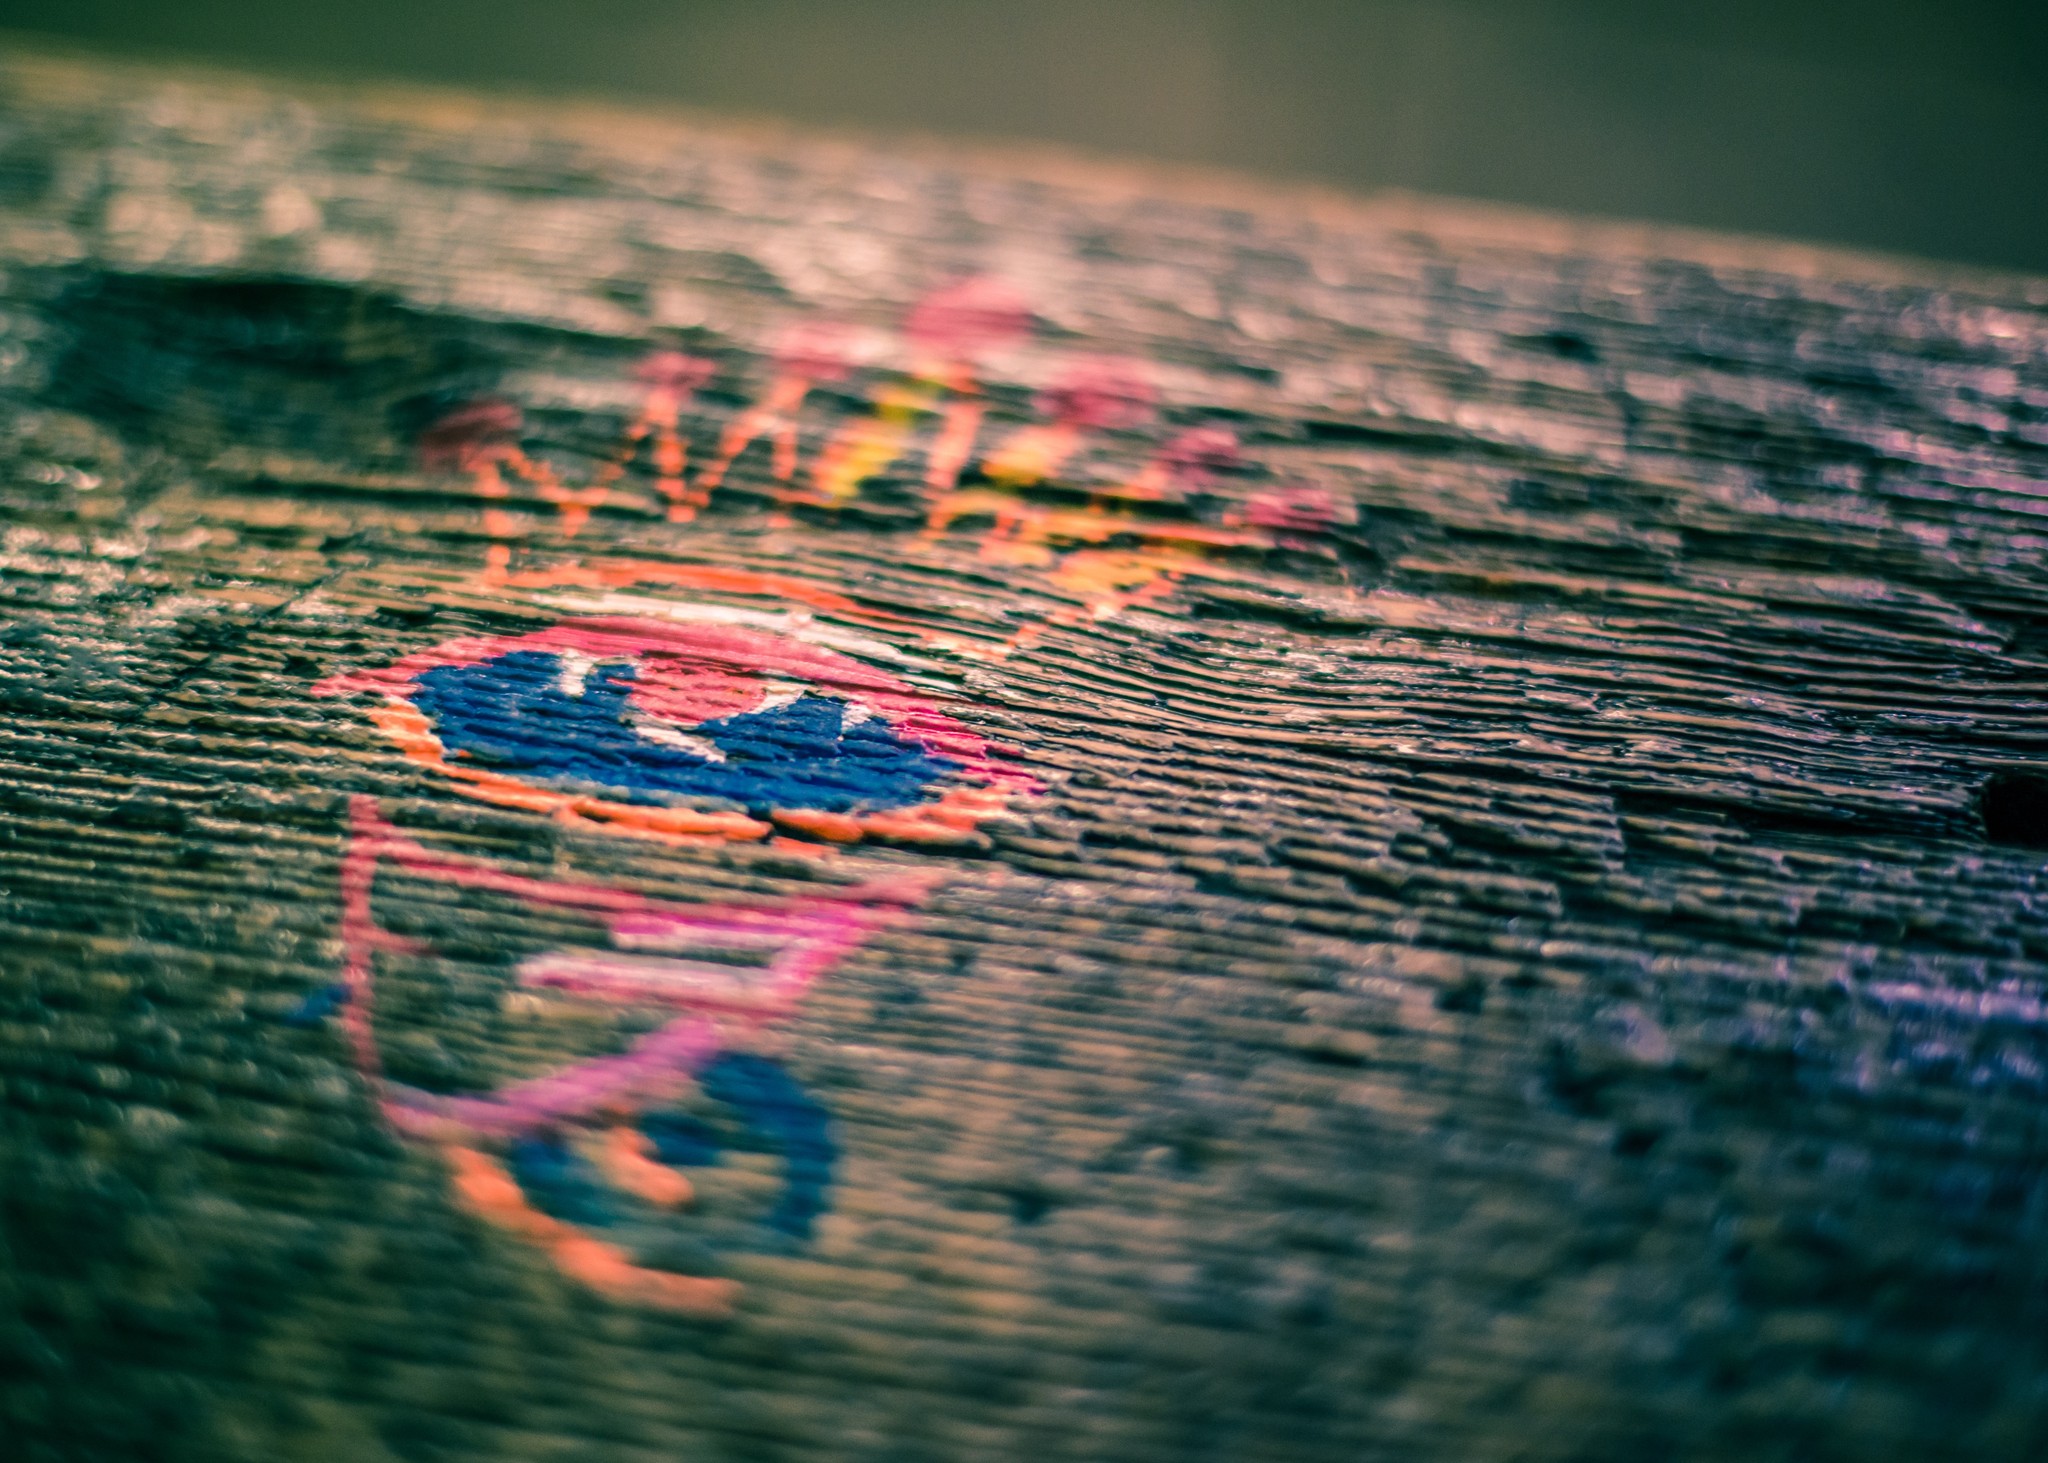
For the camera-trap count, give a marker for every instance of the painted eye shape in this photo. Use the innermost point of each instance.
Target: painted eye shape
(689, 730)
(652, 731)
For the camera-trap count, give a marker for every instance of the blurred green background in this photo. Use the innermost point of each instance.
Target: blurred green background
(1901, 125)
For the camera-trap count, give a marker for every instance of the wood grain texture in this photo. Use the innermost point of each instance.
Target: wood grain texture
(1540, 954)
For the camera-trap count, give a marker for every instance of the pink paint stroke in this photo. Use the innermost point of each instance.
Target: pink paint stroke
(815, 932)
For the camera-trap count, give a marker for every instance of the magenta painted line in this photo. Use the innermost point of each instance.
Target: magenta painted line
(807, 944)
(809, 934)
(679, 1048)
(617, 637)
(638, 978)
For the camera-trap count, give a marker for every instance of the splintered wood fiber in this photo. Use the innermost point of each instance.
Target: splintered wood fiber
(1245, 828)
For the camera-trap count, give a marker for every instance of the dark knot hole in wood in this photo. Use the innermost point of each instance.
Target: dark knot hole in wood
(2015, 808)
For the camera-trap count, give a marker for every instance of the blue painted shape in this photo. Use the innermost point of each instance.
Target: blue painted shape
(682, 1141)
(774, 1106)
(318, 1006)
(776, 1112)
(512, 715)
(561, 1183)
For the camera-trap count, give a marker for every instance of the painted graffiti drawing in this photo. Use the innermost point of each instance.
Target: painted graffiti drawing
(669, 730)
(705, 705)
(592, 1148)
(1060, 498)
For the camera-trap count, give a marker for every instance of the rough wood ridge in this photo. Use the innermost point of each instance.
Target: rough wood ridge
(669, 793)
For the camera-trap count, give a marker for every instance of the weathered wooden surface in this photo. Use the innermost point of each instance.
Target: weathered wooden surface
(1508, 952)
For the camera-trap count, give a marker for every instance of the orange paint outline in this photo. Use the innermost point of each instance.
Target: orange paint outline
(622, 1157)
(488, 1190)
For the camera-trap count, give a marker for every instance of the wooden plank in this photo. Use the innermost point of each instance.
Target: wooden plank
(671, 790)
